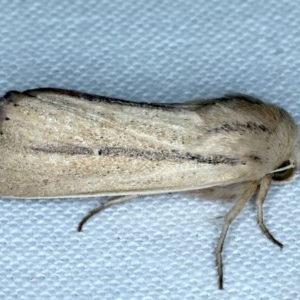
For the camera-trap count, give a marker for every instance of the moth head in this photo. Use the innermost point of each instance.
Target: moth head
(284, 173)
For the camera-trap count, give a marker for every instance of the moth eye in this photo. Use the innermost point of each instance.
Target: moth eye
(284, 174)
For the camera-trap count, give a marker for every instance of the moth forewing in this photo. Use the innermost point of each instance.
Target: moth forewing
(69, 145)
(59, 143)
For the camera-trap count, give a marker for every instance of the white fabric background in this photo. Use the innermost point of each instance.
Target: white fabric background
(158, 247)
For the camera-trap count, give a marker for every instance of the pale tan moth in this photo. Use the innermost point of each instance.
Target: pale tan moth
(58, 143)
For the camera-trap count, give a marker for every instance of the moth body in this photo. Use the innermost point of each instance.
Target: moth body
(58, 143)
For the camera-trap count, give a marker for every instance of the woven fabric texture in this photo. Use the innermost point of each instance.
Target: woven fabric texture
(158, 247)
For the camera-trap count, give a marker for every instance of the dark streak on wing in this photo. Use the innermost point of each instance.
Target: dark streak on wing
(71, 150)
(193, 105)
(98, 98)
(170, 156)
(240, 127)
(254, 158)
(229, 100)
(138, 153)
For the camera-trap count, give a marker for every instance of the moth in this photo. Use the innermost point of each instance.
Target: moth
(59, 143)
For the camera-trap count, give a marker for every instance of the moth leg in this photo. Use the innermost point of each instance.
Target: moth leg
(231, 215)
(261, 196)
(102, 206)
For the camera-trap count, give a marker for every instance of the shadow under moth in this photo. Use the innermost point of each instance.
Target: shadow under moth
(59, 143)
